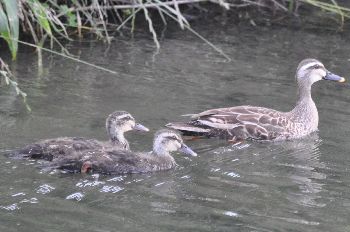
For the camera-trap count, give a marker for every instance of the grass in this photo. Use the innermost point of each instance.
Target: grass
(48, 22)
(54, 20)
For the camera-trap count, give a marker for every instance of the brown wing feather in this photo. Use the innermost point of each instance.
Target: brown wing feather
(242, 122)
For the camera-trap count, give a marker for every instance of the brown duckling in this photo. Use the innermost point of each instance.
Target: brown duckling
(117, 124)
(113, 161)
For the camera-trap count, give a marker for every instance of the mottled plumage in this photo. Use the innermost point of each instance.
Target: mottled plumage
(259, 123)
(113, 161)
(117, 124)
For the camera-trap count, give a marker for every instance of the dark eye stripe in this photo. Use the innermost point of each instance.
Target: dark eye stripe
(171, 137)
(125, 118)
(314, 67)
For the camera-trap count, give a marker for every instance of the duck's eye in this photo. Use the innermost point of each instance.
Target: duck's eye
(316, 66)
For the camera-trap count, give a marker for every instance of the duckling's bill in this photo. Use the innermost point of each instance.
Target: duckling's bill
(333, 77)
(140, 127)
(186, 150)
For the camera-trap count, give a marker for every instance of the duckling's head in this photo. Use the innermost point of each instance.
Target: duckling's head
(310, 71)
(166, 141)
(120, 122)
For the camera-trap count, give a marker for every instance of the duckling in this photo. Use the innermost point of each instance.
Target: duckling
(117, 124)
(112, 161)
(259, 123)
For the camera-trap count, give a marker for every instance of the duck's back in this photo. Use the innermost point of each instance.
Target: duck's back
(112, 161)
(50, 149)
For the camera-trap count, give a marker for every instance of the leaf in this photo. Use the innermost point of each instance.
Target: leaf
(4, 26)
(39, 11)
(71, 17)
(9, 24)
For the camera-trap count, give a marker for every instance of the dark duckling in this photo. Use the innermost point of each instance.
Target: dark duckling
(117, 124)
(112, 161)
(259, 123)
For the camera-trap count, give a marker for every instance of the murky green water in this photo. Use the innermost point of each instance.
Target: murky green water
(302, 185)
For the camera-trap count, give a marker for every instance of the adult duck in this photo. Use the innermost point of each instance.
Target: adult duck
(117, 124)
(112, 161)
(259, 123)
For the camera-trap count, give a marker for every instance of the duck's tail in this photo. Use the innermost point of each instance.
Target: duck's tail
(187, 129)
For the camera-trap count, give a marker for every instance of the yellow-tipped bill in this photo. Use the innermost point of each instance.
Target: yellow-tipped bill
(333, 77)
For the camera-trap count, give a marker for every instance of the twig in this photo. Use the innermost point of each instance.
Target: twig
(150, 25)
(66, 56)
(176, 5)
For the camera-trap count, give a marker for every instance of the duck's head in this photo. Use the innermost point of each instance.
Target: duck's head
(166, 141)
(120, 122)
(310, 71)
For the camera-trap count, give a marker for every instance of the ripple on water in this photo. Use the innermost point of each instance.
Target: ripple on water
(44, 189)
(32, 200)
(78, 196)
(11, 207)
(116, 179)
(232, 174)
(110, 189)
(18, 194)
(88, 183)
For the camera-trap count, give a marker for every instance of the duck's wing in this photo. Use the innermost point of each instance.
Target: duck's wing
(239, 122)
(51, 148)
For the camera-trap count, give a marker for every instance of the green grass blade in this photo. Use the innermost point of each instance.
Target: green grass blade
(11, 31)
(39, 11)
(4, 26)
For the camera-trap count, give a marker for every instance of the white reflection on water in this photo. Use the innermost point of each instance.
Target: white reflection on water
(231, 214)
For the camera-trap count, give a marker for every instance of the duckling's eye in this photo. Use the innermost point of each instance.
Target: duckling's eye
(128, 118)
(172, 137)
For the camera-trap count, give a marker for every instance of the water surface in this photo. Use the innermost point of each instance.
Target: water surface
(298, 185)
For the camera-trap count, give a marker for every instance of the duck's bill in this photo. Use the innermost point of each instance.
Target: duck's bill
(140, 127)
(333, 77)
(186, 150)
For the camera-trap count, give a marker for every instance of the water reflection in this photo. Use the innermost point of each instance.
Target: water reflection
(306, 171)
(274, 181)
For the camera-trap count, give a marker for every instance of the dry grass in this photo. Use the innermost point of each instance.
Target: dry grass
(9, 80)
